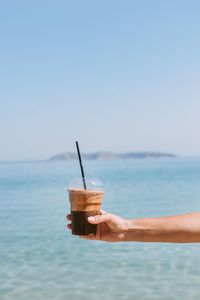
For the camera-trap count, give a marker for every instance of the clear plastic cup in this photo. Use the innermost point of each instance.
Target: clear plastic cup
(84, 203)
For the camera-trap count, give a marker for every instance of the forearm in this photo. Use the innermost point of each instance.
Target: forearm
(173, 229)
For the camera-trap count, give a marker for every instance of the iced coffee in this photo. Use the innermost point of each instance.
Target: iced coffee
(85, 203)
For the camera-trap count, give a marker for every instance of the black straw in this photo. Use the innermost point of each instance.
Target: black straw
(80, 162)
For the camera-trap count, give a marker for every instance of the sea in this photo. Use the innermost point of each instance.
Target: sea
(41, 260)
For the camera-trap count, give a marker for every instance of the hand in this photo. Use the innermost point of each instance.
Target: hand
(110, 228)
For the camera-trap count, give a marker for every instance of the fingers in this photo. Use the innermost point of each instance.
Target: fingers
(99, 219)
(88, 237)
(69, 217)
(69, 226)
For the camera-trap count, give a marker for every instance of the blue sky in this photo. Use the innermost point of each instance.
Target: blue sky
(116, 75)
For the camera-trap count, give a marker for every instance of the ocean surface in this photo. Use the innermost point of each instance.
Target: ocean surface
(41, 260)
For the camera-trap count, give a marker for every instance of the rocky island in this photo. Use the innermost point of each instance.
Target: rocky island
(110, 155)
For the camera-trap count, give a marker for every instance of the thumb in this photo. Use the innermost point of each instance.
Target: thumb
(99, 219)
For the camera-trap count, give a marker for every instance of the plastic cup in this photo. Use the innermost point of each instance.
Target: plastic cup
(84, 203)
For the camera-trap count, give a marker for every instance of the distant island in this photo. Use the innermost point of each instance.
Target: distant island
(110, 155)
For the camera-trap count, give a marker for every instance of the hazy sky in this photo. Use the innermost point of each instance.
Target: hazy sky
(116, 75)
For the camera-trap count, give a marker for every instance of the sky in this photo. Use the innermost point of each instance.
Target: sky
(114, 75)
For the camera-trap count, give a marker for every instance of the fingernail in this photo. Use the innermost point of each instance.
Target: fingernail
(91, 219)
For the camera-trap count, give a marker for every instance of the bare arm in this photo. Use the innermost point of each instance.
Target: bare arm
(173, 229)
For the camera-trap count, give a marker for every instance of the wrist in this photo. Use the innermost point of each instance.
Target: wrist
(134, 231)
(128, 229)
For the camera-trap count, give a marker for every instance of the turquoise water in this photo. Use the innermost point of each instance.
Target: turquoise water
(39, 259)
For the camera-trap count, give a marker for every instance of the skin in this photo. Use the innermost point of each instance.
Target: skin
(172, 229)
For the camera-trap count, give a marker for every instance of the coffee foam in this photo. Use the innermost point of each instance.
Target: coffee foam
(85, 200)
